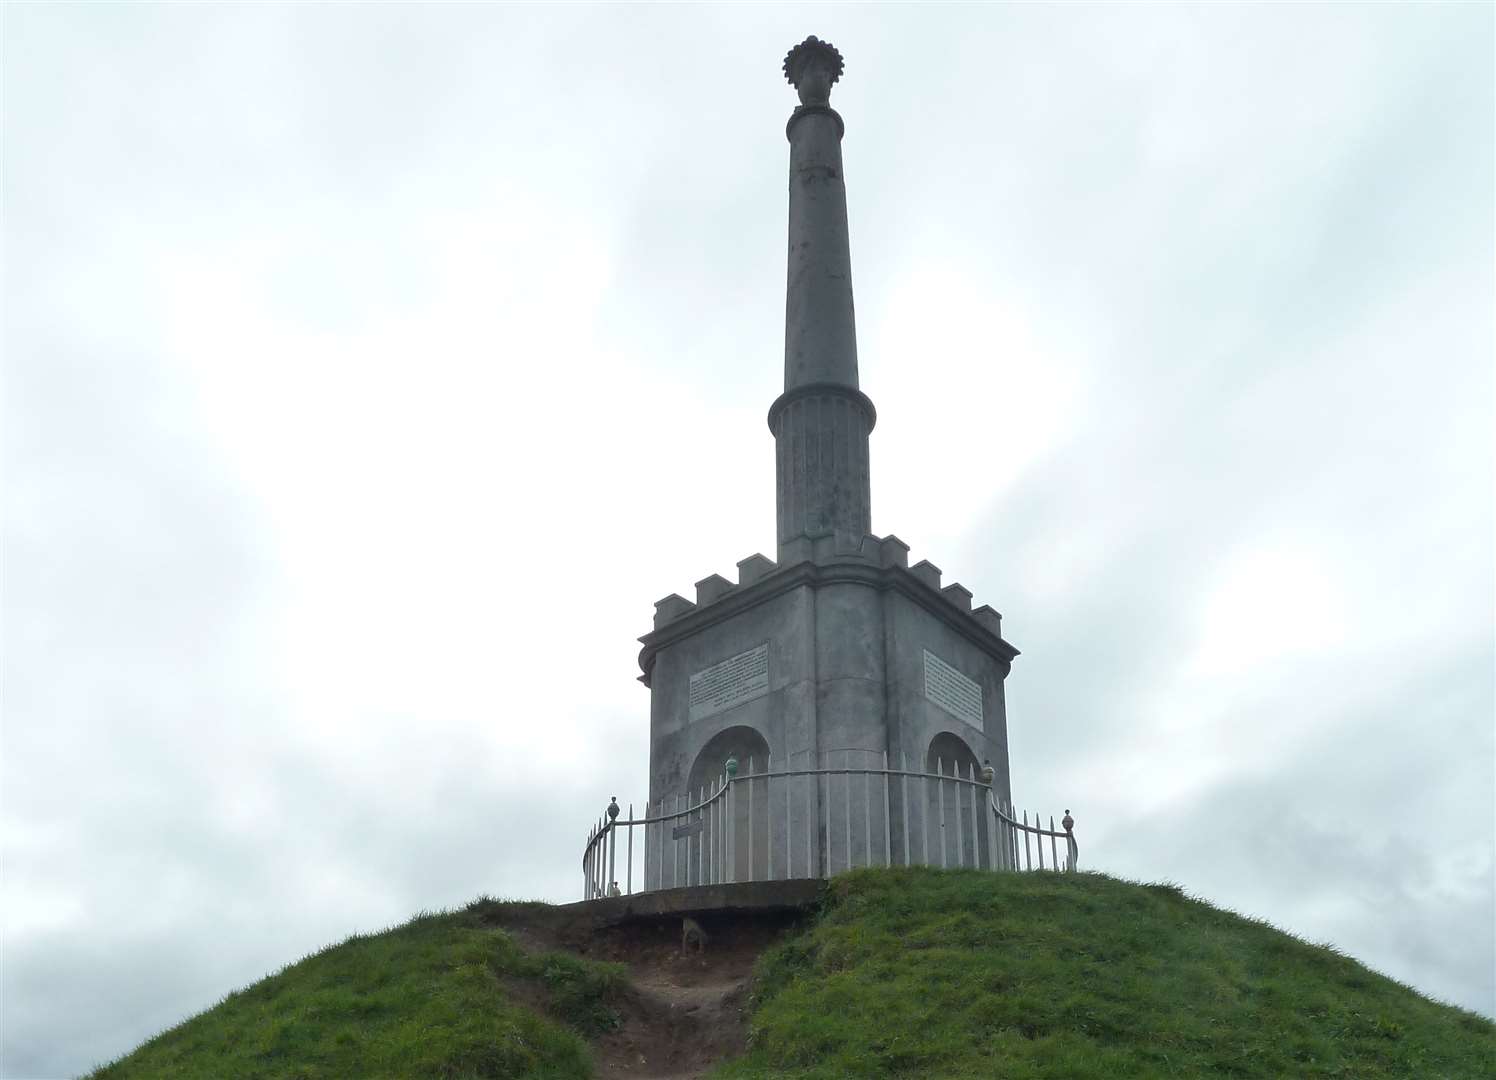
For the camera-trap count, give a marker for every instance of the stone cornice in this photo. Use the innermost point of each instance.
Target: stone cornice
(795, 393)
(850, 569)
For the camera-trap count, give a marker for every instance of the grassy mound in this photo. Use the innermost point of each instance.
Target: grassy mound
(963, 974)
(442, 996)
(903, 973)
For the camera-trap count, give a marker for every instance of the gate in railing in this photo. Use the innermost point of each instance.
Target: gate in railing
(809, 823)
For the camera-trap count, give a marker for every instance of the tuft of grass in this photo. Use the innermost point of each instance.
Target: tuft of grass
(442, 996)
(929, 973)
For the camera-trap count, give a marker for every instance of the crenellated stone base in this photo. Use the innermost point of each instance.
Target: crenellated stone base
(841, 654)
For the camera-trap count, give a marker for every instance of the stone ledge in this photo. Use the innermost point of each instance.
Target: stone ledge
(794, 894)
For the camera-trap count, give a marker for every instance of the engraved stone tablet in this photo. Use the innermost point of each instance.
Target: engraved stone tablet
(952, 691)
(735, 680)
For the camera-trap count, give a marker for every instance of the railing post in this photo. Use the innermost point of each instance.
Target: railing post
(940, 791)
(847, 804)
(750, 826)
(811, 813)
(991, 823)
(769, 816)
(956, 786)
(1071, 850)
(612, 846)
(999, 830)
(731, 848)
(1028, 858)
(1017, 832)
(904, 796)
(826, 854)
(925, 820)
(887, 816)
(789, 862)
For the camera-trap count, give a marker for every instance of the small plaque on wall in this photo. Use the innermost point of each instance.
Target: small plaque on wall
(735, 680)
(953, 691)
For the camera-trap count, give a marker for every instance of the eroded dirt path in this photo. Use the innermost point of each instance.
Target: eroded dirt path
(684, 1012)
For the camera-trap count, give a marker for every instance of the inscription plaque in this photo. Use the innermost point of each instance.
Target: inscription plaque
(735, 680)
(953, 691)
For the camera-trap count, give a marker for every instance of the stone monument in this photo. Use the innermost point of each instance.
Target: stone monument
(837, 652)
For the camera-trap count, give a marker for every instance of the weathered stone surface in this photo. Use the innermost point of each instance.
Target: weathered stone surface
(672, 607)
(817, 660)
(710, 588)
(894, 552)
(956, 593)
(988, 617)
(754, 567)
(822, 421)
(927, 573)
(823, 482)
(820, 333)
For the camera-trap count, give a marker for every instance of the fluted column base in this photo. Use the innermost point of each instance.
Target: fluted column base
(821, 451)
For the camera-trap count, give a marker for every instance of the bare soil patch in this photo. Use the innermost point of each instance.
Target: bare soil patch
(683, 1012)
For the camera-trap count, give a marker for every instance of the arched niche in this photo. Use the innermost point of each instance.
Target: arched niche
(742, 742)
(750, 838)
(950, 749)
(950, 805)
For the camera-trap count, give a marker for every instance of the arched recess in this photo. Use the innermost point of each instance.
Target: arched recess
(752, 751)
(952, 805)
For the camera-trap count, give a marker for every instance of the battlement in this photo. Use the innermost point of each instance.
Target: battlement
(887, 552)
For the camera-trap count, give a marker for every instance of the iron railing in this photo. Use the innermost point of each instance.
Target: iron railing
(754, 825)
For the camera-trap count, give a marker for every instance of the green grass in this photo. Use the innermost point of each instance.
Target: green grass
(903, 973)
(924, 973)
(438, 997)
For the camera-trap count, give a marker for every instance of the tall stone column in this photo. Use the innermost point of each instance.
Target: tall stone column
(822, 420)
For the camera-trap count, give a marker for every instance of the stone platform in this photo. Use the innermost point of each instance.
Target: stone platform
(797, 894)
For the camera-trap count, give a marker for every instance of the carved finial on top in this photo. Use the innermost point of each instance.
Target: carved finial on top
(812, 66)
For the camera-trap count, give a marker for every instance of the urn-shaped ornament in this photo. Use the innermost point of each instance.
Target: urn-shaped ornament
(986, 771)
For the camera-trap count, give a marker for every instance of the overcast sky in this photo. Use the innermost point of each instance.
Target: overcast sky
(371, 371)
